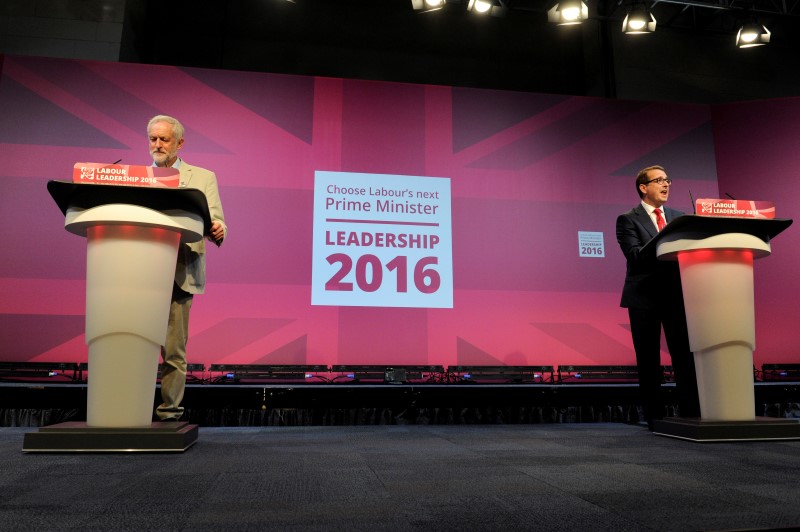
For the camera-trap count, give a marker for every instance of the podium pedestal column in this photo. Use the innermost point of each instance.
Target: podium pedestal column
(720, 317)
(129, 276)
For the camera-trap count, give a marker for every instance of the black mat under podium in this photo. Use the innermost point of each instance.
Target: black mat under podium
(698, 430)
(76, 437)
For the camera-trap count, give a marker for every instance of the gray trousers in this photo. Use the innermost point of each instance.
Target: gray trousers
(173, 371)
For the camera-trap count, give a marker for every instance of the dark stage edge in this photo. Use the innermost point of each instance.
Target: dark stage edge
(77, 437)
(698, 430)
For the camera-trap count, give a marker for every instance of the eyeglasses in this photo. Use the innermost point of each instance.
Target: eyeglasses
(659, 181)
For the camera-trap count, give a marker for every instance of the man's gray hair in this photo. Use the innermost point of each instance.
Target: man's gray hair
(177, 127)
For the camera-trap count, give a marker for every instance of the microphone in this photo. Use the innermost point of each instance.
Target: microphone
(694, 207)
(731, 197)
(117, 161)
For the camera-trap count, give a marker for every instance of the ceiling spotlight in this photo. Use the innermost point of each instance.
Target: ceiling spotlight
(639, 20)
(568, 12)
(495, 8)
(479, 6)
(426, 6)
(752, 34)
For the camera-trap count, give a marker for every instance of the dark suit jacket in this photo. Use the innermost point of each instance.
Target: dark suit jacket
(648, 281)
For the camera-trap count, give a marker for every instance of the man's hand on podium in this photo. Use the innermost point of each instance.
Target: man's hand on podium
(217, 232)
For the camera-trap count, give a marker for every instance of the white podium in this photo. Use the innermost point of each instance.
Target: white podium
(133, 236)
(715, 257)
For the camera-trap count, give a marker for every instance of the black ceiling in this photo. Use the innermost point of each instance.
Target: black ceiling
(387, 40)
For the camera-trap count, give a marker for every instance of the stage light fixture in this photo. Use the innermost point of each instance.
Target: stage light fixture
(427, 6)
(752, 34)
(639, 20)
(479, 6)
(495, 8)
(568, 12)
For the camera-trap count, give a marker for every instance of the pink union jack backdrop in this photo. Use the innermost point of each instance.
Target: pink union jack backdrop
(527, 171)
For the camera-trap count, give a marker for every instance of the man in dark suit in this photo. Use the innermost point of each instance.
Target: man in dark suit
(654, 298)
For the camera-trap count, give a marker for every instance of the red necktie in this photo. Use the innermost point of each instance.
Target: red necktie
(660, 222)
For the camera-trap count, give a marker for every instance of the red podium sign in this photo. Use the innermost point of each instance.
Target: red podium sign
(127, 175)
(731, 208)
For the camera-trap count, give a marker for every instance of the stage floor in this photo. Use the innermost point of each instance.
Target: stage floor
(587, 476)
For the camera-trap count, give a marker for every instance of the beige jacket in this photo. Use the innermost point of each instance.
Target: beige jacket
(190, 272)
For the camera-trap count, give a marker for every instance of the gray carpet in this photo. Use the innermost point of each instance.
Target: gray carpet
(597, 477)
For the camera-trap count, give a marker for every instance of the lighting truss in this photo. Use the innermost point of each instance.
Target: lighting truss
(501, 374)
(237, 373)
(397, 374)
(595, 374)
(695, 14)
(39, 371)
(757, 6)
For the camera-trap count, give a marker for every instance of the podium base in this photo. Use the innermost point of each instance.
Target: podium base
(698, 430)
(76, 437)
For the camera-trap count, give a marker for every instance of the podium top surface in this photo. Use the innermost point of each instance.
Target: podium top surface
(68, 194)
(692, 226)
